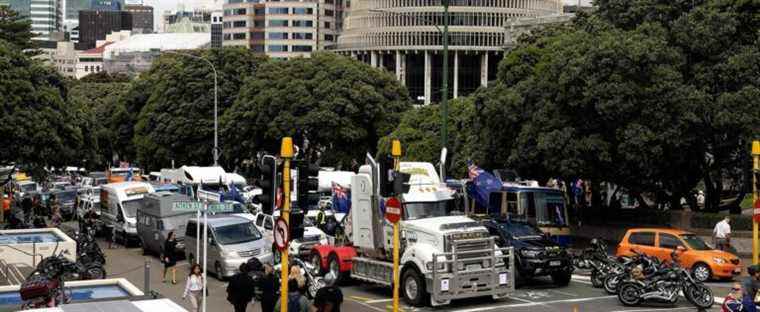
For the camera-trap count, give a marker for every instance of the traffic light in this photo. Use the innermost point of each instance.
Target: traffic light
(268, 184)
(386, 176)
(296, 225)
(308, 185)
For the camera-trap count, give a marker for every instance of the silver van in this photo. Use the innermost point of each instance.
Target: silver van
(155, 219)
(232, 240)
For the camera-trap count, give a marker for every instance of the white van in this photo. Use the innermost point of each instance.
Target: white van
(118, 207)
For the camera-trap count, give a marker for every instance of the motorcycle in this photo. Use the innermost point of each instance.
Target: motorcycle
(314, 282)
(666, 286)
(44, 287)
(596, 259)
(649, 265)
(88, 250)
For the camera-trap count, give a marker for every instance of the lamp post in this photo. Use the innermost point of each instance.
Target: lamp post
(445, 86)
(216, 100)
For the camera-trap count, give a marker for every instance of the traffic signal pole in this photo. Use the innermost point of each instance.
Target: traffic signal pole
(755, 200)
(396, 153)
(286, 152)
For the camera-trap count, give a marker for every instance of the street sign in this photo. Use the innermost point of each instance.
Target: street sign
(281, 234)
(187, 206)
(220, 207)
(393, 210)
(757, 210)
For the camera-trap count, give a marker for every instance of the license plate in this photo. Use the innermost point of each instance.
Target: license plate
(555, 263)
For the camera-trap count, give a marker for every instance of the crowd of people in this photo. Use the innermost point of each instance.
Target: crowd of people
(30, 210)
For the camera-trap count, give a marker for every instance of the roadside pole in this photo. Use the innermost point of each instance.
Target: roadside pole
(197, 235)
(755, 200)
(396, 153)
(286, 152)
(205, 253)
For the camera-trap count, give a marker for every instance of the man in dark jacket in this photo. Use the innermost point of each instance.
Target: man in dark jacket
(268, 286)
(240, 289)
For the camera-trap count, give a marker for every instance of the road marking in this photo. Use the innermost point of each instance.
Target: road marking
(581, 277)
(583, 282)
(656, 309)
(370, 306)
(564, 293)
(530, 304)
(378, 300)
(520, 299)
(362, 299)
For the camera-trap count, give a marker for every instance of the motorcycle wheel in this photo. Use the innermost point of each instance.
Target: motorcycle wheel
(629, 294)
(611, 283)
(700, 295)
(597, 279)
(96, 272)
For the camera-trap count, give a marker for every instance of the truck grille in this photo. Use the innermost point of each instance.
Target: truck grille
(249, 253)
(460, 246)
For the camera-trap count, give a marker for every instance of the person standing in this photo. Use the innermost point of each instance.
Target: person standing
(296, 301)
(268, 286)
(6, 208)
(170, 256)
(722, 234)
(241, 288)
(194, 287)
(328, 299)
(700, 200)
(733, 302)
(55, 211)
(750, 285)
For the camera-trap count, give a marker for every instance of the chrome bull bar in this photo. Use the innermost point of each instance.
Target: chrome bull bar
(460, 276)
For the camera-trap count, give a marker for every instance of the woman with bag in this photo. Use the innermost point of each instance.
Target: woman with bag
(194, 287)
(170, 255)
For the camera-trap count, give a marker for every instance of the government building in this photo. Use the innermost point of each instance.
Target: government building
(405, 37)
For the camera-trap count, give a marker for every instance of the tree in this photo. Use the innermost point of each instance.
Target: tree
(105, 77)
(420, 136)
(15, 29)
(175, 101)
(343, 107)
(39, 129)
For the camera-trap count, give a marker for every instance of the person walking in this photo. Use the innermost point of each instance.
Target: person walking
(296, 301)
(722, 234)
(55, 212)
(749, 287)
(733, 302)
(194, 287)
(6, 208)
(328, 299)
(241, 289)
(268, 286)
(170, 256)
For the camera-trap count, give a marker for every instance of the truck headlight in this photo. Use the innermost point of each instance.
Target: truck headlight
(529, 253)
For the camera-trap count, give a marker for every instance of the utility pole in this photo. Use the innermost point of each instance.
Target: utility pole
(445, 88)
(755, 199)
(286, 152)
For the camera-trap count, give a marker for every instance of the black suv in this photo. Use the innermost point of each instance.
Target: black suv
(535, 253)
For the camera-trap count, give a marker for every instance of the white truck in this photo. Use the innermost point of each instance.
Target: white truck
(443, 256)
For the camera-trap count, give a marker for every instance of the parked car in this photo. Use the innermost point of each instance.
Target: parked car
(703, 261)
(298, 247)
(536, 254)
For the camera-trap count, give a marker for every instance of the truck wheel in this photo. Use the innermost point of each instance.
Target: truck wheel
(333, 266)
(562, 278)
(316, 261)
(413, 288)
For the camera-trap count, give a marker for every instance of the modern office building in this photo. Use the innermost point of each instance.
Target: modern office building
(217, 30)
(46, 15)
(181, 21)
(139, 19)
(282, 29)
(135, 54)
(405, 37)
(94, 25)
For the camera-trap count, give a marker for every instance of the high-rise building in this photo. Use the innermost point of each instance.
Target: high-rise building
(181, 21)
(46, 15)
(216, 29)
(282, 29)
(403, 37)
(94, 25)
(139, 19)
(106, 5)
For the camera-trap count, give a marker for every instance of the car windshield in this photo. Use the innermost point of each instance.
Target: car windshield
(237, 233)
(28, 187)
(130, 207)
(100, 181)
(414, 211)
(521, 230)
(66, 196)
(695, 242)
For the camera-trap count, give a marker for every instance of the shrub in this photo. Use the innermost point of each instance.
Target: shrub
(708, 221)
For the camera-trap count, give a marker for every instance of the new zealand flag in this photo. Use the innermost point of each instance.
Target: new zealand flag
(481, 184)
(341, 203)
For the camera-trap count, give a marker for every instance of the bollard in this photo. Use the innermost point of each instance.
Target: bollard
(146, 287)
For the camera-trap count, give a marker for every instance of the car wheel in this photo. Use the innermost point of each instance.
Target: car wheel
(413, 287)
(316, 262)
(701, 272)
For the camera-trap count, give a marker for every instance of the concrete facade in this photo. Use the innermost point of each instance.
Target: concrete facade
(405, 37)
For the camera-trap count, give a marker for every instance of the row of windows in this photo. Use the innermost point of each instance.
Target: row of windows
(94, 69)
(274, 23)
(478, 19)
(284, 48)
(422, 39)
(520, 4)
(280, 11)
(276, 36)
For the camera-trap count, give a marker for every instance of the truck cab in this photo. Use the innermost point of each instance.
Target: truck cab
(443, 256)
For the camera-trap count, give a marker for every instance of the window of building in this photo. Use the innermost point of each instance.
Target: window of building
(227, 25)
(238, 36)
(280, 23)
(329, 12)
(241, 11)
(302, 23)
(301, 36)
(278, 48)
(303, 11)
(258, 24)
(258, 11)
(302, 48)
(278, 11)
(329, 38)
(238, 24)
(257, 35)
(278, 35)
(227, 36)
(327, 24)
(258, 48)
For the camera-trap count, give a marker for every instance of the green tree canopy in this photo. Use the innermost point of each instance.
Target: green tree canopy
(176, 104)
(15, 29)
(342, 106)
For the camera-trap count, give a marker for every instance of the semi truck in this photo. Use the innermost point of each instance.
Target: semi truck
(444, 255)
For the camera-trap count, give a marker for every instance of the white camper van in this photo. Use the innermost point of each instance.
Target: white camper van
(118, 207)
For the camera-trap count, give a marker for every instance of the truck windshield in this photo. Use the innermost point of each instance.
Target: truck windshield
(130, 207)
(422, 210)
(28, 187)
(66, 196)
(237, 233)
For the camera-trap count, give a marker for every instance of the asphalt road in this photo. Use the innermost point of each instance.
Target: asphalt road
(539, 296)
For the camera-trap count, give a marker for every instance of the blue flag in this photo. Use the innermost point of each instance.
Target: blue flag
(129, 174)
(482, 184)
(340, 199)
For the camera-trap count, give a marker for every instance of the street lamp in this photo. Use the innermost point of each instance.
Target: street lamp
(445, 86)
(216, 100)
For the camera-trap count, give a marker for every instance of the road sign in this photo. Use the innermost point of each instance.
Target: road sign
(757, 210)
(393, 210)
(281, 234)
(220, 207)
(187, 206)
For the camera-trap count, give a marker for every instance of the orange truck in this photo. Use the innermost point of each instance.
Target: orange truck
(704, 261)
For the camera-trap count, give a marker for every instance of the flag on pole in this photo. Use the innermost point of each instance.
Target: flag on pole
(482, 184)
(340, 200)
(129, 174)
